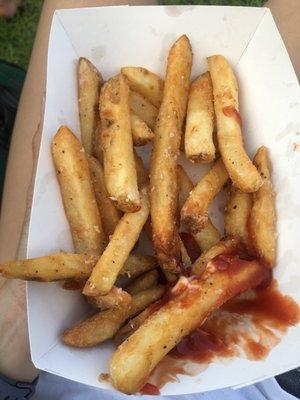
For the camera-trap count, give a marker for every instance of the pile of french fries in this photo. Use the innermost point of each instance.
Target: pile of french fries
(109, 198)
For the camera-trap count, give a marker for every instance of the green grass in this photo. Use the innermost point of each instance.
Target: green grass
(17, 35)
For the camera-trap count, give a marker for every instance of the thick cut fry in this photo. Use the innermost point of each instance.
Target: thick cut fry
(228, 246)
(143, 282)
(116, 253)
(137, 264)
(51, 268)
(134, 323)
(263, 218)
(145, 82)
(104, 325)
(237, 214)
(89, 82)
(208, 236)
(110, 215)
(199, 144)
(142, 107)
(141, 133)
(119, 167)
(77, 192)
(239, 166)
(163, 174)
(115, 298)
(134, 359)
(194, 213)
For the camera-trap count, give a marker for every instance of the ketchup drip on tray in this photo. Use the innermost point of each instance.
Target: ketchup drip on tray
(150, 389)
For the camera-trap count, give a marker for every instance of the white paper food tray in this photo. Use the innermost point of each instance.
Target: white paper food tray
(112, 37)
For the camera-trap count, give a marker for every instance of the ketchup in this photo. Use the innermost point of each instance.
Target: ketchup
(150, 389)
(231, 111)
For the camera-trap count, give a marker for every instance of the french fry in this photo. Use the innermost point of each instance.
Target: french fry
(237, 215)
(89, 83)
(240, 168)
(134, 323)
(199, 144)
(185, 256)
(105, 324)
(262, 221)
(141, 133)
(97, 146)
(117, 251)
(134, 360)
(110, 215)
(117, 297)
(142, 107)
(208, 236)
(137, 264)
(185, 186)
(194, 213)
(143, 282)
(54, 267)
(77, 192)
(146, 83)
(163, 173)
(228, 246)
(119, 167)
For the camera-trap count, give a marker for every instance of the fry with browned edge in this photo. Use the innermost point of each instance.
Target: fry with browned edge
(141, 133)
(163, 172)
(104, 325)
(143, 282)
(116, 138)
(230, 140)
(199, 128)
(117, 297)
(117, 251)
(77, 192)
(262, 221)
(237, 213)
(194, 213)
(146, 83)
(89, 82)
(134, 360)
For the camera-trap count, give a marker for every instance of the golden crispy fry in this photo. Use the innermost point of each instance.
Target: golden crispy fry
(116, 253)
(239, 166)
(146, 83)
(97, 146)
(89, 82)
(227, 246)
(263, 218)
(208, 236)
(104, 325)
(142, 107)
(199, 144)
(143, 282)
(110, 215)
(163, 174)
(77, 192)
(55, 267)
(115, 298)
(194, 213)
(134, 359)
(119, 167)
(237, 214)
(134, 323)
(137, 264)
(141, 133)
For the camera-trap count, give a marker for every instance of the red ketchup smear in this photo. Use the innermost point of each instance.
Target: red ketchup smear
(150, 389)
(191, 246)
(231, 111)
(226, 332)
